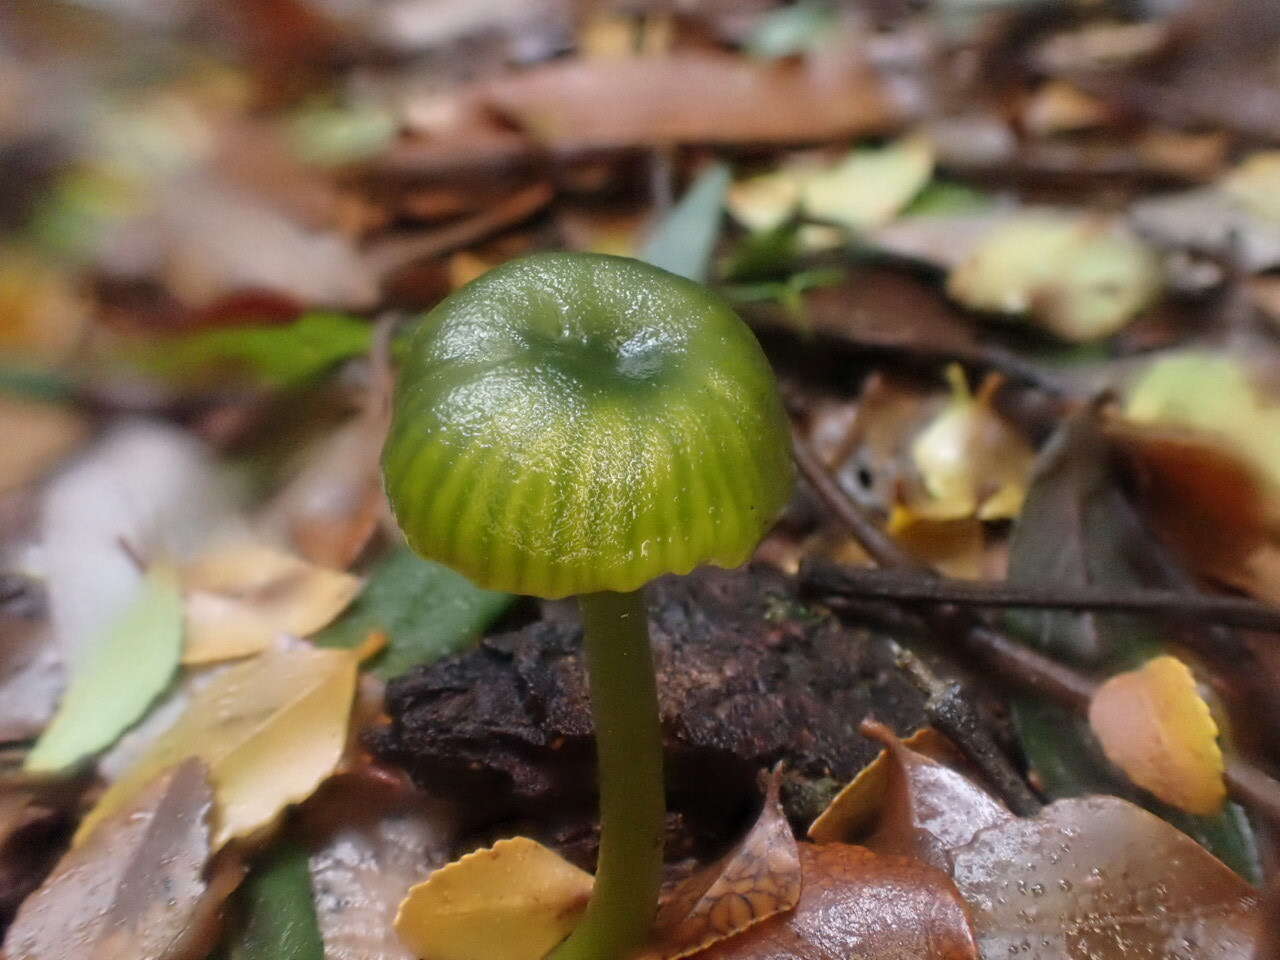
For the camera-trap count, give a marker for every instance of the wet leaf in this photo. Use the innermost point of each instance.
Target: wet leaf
(1081, 278)
(871, 186)
(758, 878)
(1077, 527)
(242, 597)
(270, 730)
(135, 888)
(119, 678)
(972, 461)
(1154, 725)
(682, 242)
(280, 356)
(856, 903)
(278, 911)
(426, 611)
(476, 909)
(1101, 879)
(908, 802)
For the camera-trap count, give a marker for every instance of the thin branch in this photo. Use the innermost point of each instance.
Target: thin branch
(826, 577)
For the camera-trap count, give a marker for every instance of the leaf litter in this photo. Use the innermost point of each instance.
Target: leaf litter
(204, 268)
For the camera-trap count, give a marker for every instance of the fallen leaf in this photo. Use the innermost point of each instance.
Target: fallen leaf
(362, 872)
(906, 802)
(270, 730)
(855, 903)
(41, 314)
(31, 675)
(972, 461)
(584, 104)
(1101, 879)
(473, 909)
(135, 888)
(1255, 184)
(955, 548)
(1059, 107)
(240, 598)
(1082, 278)
(37, 436)
(1211, 220)
(1154, 725)
(119, 677)
(34, 829)
(682, 242)
(277, 910)
(758, 878)
(871, 186)
(425, 609)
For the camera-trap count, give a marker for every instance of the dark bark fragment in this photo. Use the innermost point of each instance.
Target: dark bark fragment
(748, 676)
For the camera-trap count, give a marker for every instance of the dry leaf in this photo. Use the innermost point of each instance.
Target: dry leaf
(34, 829)
(513, 901)
(37, 436)
(240, 598)
(41, 313)
(758, 878)
(907, 803)
(1082, 278)
(581, 104)
(1154, 725)
(856, 903)
(135, 888)
(1101, 879)
(270, 729)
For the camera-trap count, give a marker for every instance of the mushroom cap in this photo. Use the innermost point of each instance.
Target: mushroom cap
(570, 423)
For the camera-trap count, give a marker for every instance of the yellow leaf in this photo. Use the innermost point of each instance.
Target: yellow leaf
(513, 901)
(1255, 184)
(270, 730)
(239, 599)
(972, 461)
(1156, 727)
(870, 186)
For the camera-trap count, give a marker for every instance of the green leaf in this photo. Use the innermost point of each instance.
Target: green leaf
(280, 356)
(427, 611)
(279, 911)
(791, 29)
(1076, 528)
(946, 198)
(682, 242)
(122, 674)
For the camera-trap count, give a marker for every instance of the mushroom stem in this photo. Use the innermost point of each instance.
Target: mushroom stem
(624, 705)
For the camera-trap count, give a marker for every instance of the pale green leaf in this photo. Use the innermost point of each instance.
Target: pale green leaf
(682, 242)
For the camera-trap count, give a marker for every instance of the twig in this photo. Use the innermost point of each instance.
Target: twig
(1012, 660)
(826, 577)
(950, 711)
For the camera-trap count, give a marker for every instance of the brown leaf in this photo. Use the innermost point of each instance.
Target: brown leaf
(31, 676)
(135, 888)
(758, 878)
(37, 436)
(689, 97)
(919, 806)
(856, 903)
(33, 833)
(1101, 879)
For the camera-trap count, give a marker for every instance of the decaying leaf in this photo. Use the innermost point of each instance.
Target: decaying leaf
(855, 903)
(972, 461)
(270, 730)
(136, 888)
(906, 802)
(120, 676)
(1154, 725)
(758, 878)
(512, 901)
(1101, 879)
(1081, 278)
(240, 598)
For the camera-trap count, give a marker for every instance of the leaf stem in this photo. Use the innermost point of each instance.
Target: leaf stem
(624, 705)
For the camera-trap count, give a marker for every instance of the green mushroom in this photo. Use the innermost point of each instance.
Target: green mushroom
(579, 424)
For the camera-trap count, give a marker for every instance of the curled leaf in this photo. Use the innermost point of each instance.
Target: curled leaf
(1081, 278)
(119, 678)
(1154, 725)
(512, 901)
(269, 729)
(240, 598)
(758, 878)
(856, 903)
(135, 888)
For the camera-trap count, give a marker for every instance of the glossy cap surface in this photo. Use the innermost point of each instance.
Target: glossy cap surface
(570, 423)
